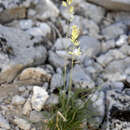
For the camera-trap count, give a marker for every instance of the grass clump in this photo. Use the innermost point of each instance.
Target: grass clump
(72, 114)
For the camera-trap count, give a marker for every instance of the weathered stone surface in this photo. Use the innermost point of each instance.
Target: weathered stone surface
(57, 81)
(27, 107)
(46, 9)
(89, 10)
(17, 51)
(22, 123)
(4, 123)
(32, 76)
(113, 31)
(90, 46)
(11, 14)
(39, 98)
(56, 60)
(18, 100)
(80, 79)
(123, 5)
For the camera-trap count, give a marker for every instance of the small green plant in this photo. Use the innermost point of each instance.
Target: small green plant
(72, 111)
(72, 115)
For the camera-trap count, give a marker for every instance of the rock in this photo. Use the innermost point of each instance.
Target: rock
(56, 81)
(113, 31)
(118, 66)
(118, 108)
(22, 123)
(56, 60)
(107, 45)
(32, 76)
(52, 100)
(127, 71)
(14, 9)
(90, 46)
(80, 79)
(39, 98)
(36, 116)
(4, 123)
(113, 4)
(128, 79)
(97, 105)
(26, 24)
(31, 13)
(43, 30)
(110, 56)
(125, 50)
(17, 52)
(12, 14)
(62, 44)
(18, 100)
(88, 9)
(114, 76)
(27, 107)
(122, 40)
(46, 9)
(119, 86)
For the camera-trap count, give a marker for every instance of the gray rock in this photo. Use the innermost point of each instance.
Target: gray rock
(90, 46)
(4, 123)
(117, 85)
(128, 79)
(110, 56)
(118, 66)
(26, 24)
(113, 31)
(17, 52)
(110, 44)
(39, 98)
(113, 4)
(52, 100)
(98, 107)
(14, 9)
(80, 79)
(88, 9)
(46, 9)
(27, 107)
(56, 60)
(118, 101)
(36, 116)
(122, 40)
(62, 43)
(18, 100)
(125, 50)
(22, 123)
(56, 81)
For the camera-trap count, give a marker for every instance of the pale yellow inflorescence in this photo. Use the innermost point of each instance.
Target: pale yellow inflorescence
(75, 31)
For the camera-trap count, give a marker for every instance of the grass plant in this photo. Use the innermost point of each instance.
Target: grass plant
(72, 111)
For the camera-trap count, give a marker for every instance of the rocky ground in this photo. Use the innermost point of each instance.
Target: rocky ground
(33, 53)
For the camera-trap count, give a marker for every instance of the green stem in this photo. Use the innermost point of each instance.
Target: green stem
(70, 81)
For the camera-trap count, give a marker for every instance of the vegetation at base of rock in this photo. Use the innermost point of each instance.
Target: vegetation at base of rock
(72, 115)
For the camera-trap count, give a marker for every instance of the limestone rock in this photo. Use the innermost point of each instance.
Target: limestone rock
(17, 52)
(39, 98)
(22, 123)
(32, 76)
(123, 5)
(46, 9)
(4, 123)
(18, 100)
